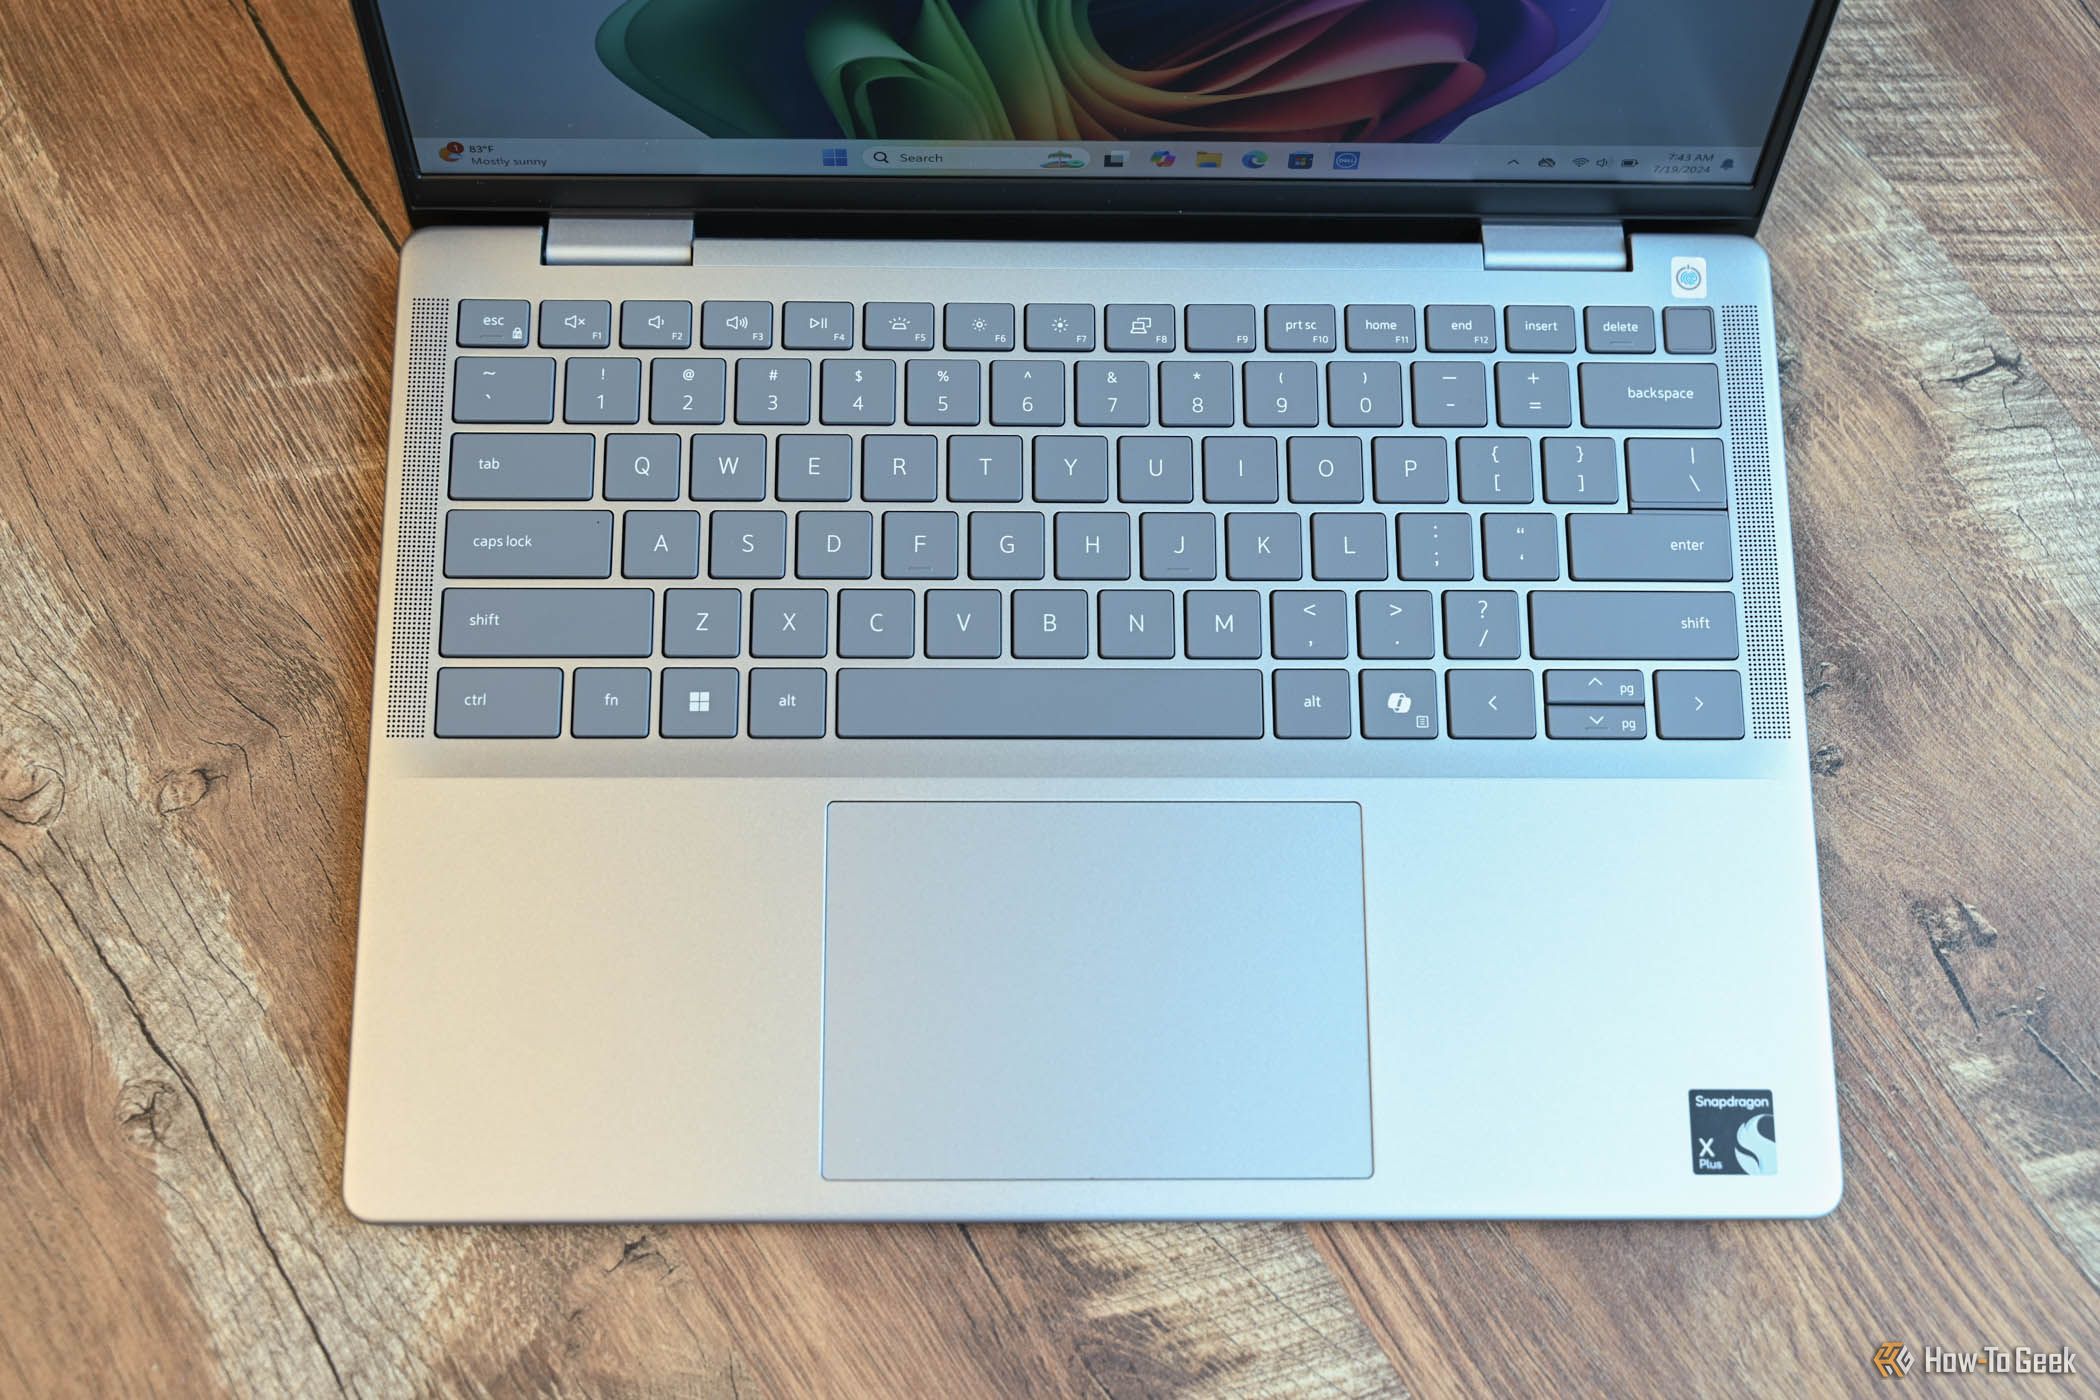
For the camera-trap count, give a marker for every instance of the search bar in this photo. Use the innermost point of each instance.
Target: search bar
(937, 158)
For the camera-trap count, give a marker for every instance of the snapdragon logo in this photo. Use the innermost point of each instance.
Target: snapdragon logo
(1734, 1132)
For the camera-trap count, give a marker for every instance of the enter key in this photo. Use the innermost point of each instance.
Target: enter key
(1655, 546)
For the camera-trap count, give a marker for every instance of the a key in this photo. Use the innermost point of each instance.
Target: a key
(611, 702)
(1156, 470)
(817, 325)
(492, 389)
(876, 622)
(1229, 329)
(1028, 393)
(984, 468)
(1410, 471)
(703, 622)
(1060, 326)
(858, 392)
(660, 544)
(579, 325)
(1282, 393)
(1301, 328)
(656, 325)
(1349, 547)
(1581, 471)
(1596, 722)
(1436, 546)
(498, 702)
(499, 622)
(687, 391)
(1240, 471)
(1050, 624)
(1480, 626)
(1620, 330)
(1540, 330)
(1071, 469)
(1533, 394)
(699, 702)
(1492, 704)
(1399, 704)
(790, 622)
(1136, 624)
(1521, 547)
(522, 466)
(1699, 704)
(1633, 626)
(747, 544)
(491, 324)
(528, 543)
(729, 467)
(943, 393)
(1327, 471)
(1450, 394)
(1394, 625)
(899, 468)
(1195, 393)
(1006, 544)
(1139, 330)
(1222, 626)
(1677, 473)
(1178, 545)
(1381, 330)
(1093, 545)
(598, 389)
(919, 544)
(1265, 547)
(787, 702)
(1644, 394)
(898, 325)
(962, 623)
(1495, 471)
(772, 391)
(814, 467)
(737, 325)
(1113, 394)
(1651, 547)
(1309, 625)
(642, 467)
(980, 325)
(1364, 394)
(834, 544)
(1006, 702)
(1312, 705)
(1461, 330)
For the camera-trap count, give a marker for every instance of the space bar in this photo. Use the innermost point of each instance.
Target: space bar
(1028, 703)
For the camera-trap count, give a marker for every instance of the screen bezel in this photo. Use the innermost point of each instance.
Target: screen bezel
(1099, 207)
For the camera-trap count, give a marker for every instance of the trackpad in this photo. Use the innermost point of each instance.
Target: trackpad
(1093, 990)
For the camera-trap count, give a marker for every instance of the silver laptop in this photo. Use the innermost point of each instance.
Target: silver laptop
(1155, 609)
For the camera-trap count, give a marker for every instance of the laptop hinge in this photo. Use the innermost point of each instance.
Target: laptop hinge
(1555, 247)
(574, 241)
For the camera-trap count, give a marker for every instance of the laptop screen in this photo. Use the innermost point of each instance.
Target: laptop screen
(1588, 91)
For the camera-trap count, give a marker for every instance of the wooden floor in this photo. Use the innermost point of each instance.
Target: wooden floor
(198, 229)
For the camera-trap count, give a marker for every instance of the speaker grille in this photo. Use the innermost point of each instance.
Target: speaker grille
(415, 555)
(1757, 545)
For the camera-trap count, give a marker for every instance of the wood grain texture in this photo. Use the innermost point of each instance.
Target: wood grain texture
(197, 239)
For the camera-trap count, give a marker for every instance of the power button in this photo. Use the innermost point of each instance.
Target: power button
(1688, 276)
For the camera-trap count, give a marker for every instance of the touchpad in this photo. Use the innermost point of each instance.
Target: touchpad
(1092, 990)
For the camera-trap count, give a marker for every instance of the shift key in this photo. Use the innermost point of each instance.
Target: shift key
(1658, 626)
(589, 622)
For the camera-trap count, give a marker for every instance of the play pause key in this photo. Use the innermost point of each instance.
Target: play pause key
(699, 702)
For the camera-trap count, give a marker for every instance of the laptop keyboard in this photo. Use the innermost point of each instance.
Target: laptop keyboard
(741, 520)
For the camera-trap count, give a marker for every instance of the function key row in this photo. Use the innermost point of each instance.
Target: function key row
(1074, 327)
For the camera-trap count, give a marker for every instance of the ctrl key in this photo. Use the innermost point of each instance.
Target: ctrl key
(498, 702)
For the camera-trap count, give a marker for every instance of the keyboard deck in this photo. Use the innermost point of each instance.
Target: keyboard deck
(749, 520)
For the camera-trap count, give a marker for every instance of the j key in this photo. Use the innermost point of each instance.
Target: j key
(1461, 330)
(729, 467)
(1382, 329)
(1060, 326)
(703, 622)
(1450, 395)
(1593, 688)
(1301, 328)
(641, 467)
(1651, 547)
(1349, 547)
(747, 544)
(498, 702)
(1699, 704)
(1177, 545)
(1410, 471)
(944, 393)
(1492, 704)
(1028, 393)
(901, 702)
(576, 325)
(1480, 626)
(1436, 546)
(1264, 547)
(1156, 470)
(817, 325)
(1309, 625)
(899, 467)
(1677, 473)
(980, 325)
(984, 468)
(737, 325)
(612, 702)
(1093, 545)
(1640, 394)
(1223, 626)
(963, 623)
(1495, 471)
(1212, 329)
(919, 544)
(1522, 547)
(522, 466)
(1327, 471)
(656, 325)
(1240, 471)
(488, 389)
(1195, 393)
(528, 543)
(1582, 472)
(1283, 394)
(1137, 624)
(1540, 330)
(1533, 394)
(1113, 394)
(1071, 469)
(601, 390)
(489, 324)
(859, 393)
(1648, 626)
(1620, 330)
(547, 622)
(1140, 329)
(687, 391)
(814, 467)
(1596, 722)
(1312, 705)
(898, 325)
(1364, 394)
(772, 391)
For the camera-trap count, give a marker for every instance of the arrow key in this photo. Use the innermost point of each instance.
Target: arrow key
(1596, 722)
(1594, 688)
(1699, 704)
(1492, 705)
(575, 325)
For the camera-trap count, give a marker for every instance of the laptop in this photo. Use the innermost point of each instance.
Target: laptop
(1082, 610)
